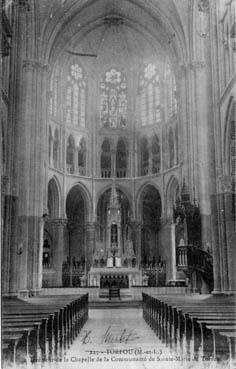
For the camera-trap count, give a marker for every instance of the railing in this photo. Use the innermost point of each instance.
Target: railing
(82, 171)
(144, 171)
(182, 257)
(73, 276)
(156, 275)
(70, 168)
(121, 173)
(105, 173)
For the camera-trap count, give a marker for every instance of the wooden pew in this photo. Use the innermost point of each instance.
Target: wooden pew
(57, 321)
(177, 321)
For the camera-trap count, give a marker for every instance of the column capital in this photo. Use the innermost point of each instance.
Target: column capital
(225, 183)
(56, 222)
(32, 64)
(197, 64)
(60, 222)
(191, 65)
(90, 225)
(203, 6)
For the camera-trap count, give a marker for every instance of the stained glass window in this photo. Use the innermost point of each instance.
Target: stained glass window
(75, 96)
(54, 91)
(113, 99)
(170, 92)
(149, 96)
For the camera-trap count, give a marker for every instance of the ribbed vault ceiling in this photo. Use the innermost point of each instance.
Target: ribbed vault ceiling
(147, 28)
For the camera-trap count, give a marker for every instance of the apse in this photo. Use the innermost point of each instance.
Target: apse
(102, 210)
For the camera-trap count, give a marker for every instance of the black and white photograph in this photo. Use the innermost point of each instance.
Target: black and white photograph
(118, 184)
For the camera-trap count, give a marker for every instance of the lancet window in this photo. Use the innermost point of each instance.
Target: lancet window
(144, 157)
(70, 155)
(113, 99)
(82, 157)
(56, 149)
(54, 93)
(149, 96)
(171, 100)
(76, 96)
(121, 159)
(156, 155)
(171, 145)
(106, 159)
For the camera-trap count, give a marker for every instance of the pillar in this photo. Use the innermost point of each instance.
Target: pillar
(89, 244)
(113, 163)
(173, 252)
(216, 246)
(58, 249)
(30, 154)
(136, 239)
(150, 157)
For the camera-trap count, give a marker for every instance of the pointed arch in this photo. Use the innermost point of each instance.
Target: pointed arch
(106, 159)
(82, 156)
(156, 154)
(150, 95)
(144, 156)
(78, 194)
(76, 91)
(54, 198)
(70, 155)
(113, 99)
(172, 195)
(171, 147)
(55, 151)
(121, 158)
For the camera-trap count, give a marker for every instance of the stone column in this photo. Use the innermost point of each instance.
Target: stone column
(150, 158)
(173, 252)
(58, 250)
(216, 246)
(89, 244)
(31, 152)
(231, 241)
(136, 239)
(113, 163)
(201, 161)
(40, 258)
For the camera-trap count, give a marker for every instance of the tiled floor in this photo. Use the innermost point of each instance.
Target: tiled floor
(120, 339)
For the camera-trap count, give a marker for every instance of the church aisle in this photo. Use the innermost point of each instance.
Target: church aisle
(115, 338)
(118, 339)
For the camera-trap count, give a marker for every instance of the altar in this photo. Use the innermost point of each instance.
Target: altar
(114, 261)
(114, 277)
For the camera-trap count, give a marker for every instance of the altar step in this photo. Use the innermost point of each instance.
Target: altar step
(125, 294)
(112, 304)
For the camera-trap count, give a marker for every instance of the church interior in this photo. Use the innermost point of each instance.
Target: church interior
(118, 172)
